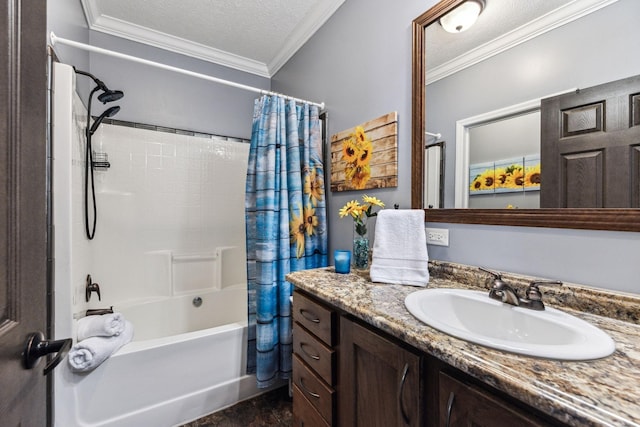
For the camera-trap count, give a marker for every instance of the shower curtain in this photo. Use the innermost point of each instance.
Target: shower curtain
(285, 224)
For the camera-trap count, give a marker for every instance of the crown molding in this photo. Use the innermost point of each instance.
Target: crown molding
(126, 30)
(557, 18)
(129, 31)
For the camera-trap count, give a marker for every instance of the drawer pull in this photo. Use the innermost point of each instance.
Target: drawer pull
(405, 417)
(310, 316)
(311, 355)
(452, 397)
(306, 390)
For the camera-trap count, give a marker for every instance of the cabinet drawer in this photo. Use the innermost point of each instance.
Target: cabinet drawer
(314, 389)
(317, 318)
(304, 414)
(316, 355)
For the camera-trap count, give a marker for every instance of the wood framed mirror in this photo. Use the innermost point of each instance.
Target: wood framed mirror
(614, 219)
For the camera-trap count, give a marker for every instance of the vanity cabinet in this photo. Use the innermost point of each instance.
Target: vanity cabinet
(314, 362)
(380, 380)
(348, 373)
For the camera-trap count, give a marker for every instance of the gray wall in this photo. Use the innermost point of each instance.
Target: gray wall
(161, 97)
(359, 63)
(152, 95)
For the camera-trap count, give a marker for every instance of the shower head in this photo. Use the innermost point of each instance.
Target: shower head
(109, 112)
(108, 95)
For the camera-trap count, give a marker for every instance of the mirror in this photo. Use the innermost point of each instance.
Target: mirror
(599, 219)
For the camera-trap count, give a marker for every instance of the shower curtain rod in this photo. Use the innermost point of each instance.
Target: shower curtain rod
(55, 39)
(435, 135)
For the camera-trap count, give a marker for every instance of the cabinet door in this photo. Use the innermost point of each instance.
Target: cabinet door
(378, 381)
(462, 405)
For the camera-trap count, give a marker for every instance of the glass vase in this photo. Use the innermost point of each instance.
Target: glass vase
(360, 256)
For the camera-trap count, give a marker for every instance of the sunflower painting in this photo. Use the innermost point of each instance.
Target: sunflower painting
(366, 156)
(505, 176)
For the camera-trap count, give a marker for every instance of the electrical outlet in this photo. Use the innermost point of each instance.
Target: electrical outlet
(437, 236)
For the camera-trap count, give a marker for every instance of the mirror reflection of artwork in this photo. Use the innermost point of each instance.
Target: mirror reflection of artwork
(510, 175)
(532, 169)
(365, 156)
(482, 178)
(505, 176)
(510, 146)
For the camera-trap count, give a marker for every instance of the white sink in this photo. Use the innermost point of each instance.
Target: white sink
(473, 316)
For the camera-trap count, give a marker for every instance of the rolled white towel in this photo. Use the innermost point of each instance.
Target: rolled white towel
(88, 354)
(105, 325)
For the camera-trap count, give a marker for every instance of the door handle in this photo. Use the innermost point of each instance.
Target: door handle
(36, 346)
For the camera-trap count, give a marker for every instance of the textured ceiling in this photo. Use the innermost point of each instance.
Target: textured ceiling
(257, 36)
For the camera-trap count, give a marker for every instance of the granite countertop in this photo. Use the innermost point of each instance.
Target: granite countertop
(602, 392)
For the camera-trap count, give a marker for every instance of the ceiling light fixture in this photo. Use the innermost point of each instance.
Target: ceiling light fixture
(462, 17)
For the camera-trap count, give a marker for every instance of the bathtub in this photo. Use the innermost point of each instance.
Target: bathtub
(184, 362)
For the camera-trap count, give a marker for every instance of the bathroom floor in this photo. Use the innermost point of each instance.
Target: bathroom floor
(270, 409)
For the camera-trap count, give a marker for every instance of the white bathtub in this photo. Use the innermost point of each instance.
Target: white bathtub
(169, 374)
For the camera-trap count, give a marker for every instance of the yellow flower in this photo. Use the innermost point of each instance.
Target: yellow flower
(349, 151)
(476, 184)
(350, 208)
(313, 186)
(532, 177)
(500, 176)
(356, 153)
(487, 180)
(516, 178)
(361, 175)
(310, 220)
(364, 154)
(373, 201)
(357, 210)
(296, 233)
(359, 135)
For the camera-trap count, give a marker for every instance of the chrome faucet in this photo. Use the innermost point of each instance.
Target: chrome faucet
(501, 291)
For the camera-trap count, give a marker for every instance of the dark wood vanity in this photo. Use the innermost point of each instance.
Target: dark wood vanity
(347, 373)
(361, 359)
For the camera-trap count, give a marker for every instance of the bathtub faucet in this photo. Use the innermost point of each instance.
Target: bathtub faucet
(90, 288)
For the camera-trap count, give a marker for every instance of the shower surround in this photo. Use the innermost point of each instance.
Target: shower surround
(169, 253)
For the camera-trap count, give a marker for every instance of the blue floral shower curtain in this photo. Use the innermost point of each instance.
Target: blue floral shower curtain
(285, 223)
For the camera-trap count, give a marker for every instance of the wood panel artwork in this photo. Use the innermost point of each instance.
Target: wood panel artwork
(366, 156)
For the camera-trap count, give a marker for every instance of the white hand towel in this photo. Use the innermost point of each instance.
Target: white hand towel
(105, 325)
(90, 353)
(400, 248)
